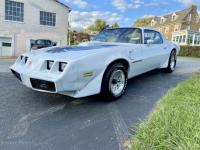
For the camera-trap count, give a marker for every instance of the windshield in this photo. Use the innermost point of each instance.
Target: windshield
(120, 35)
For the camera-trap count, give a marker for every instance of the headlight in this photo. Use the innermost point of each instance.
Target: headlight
(49, 64)
(62, 66)
(21, 57)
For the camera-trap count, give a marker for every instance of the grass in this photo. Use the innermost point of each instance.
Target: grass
(175, 122)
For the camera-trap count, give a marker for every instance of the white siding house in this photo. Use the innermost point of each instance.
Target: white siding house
(22, 21)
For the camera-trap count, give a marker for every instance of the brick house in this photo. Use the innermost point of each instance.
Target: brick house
(182, 27)
(22, 21)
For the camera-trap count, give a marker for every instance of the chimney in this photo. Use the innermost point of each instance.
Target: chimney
(193, 7)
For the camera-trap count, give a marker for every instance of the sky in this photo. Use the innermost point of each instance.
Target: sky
(124, 12)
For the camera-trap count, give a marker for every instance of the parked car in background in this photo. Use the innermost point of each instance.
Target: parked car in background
(102, 66)
(42, 43)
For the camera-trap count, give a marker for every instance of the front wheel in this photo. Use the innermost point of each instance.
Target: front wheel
(172, 62)
(114, 82)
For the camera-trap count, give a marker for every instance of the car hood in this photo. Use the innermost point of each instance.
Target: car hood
(74, 52)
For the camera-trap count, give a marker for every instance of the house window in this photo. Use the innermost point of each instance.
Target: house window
(176, 28)
(47, 18)
(184, 38)
(180, 39)
(190, 39)
(174, 39)
(14, 11)
(166, 29)
(198, 41)
(173, 17)
(6, 44)
(188, 27)
(160, 29)
(152, 23)
(189, 17)
(177, 38)
(162, 20)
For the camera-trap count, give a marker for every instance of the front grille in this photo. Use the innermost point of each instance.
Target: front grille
(43, 85)
(16, 74)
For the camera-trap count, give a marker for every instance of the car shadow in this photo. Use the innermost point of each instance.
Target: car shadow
(56, 99)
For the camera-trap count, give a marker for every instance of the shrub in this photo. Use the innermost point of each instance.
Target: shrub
(190, 51)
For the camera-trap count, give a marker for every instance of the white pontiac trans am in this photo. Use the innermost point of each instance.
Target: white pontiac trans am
(101, 66)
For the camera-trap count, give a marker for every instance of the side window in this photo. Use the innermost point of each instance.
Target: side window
(154, 36)
(41, 42)
(46, 42)
(134, 36)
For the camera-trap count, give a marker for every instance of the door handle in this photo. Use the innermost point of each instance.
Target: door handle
(165, 48)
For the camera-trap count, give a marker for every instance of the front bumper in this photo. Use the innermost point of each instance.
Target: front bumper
(36, 83)
(70, 82)
(39, 83)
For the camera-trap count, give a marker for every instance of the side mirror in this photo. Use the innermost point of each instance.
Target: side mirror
(150, 42)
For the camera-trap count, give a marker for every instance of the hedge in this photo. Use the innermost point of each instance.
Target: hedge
(190, 51)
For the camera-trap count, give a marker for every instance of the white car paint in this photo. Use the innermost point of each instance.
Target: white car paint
(90, 58)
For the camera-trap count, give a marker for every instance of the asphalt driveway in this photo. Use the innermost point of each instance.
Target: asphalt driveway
(31, 120)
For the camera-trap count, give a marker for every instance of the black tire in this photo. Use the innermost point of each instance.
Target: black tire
(169, 68)
(106, 93)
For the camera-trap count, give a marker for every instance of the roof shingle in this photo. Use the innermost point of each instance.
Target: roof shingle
(181, 16)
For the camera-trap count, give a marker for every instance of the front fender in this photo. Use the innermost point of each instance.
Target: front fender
(90, 72)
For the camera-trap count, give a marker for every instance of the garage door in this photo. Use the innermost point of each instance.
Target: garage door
(5, 46)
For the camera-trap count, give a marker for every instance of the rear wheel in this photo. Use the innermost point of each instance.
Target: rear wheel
(114, 82)
(172, 62)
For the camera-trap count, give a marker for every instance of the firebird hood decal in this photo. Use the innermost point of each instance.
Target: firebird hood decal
(77, 48)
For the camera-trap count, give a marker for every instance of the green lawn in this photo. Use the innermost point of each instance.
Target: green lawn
(175, 122)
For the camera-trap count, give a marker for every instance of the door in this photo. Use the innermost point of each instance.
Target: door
(154, 50)
(136, 53)
(5, 46)
(149, 54)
